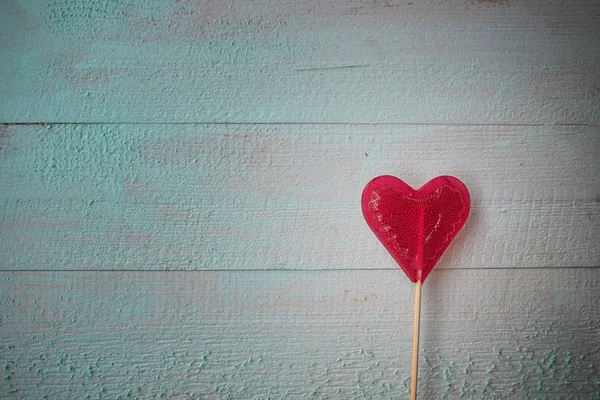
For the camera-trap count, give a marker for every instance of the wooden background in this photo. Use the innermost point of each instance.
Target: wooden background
(180, 198)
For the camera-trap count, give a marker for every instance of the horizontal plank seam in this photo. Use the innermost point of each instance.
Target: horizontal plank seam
(484, 202)
(304, 123)
(292, 269)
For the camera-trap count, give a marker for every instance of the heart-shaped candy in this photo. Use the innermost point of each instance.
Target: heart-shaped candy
(416, 226)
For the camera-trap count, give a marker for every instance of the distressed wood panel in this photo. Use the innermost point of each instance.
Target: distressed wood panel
(518, 334)
(518, 61)
(285, 196)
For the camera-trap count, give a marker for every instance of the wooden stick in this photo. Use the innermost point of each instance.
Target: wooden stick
(415, 358)
(417, 324)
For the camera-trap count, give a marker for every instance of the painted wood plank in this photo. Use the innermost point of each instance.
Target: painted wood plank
(492, 334)
(518, 61)
(285, 196)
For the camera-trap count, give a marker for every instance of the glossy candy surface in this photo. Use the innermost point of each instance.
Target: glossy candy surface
(416, 226)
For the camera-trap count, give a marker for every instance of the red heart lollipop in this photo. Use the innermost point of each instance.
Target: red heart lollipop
(416, 226)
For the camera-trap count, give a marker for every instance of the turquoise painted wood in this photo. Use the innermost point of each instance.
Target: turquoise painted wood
(180, 198)
(471, 61)
(486, 334)
(213, 197)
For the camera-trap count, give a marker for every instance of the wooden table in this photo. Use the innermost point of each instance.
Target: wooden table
(180, 198)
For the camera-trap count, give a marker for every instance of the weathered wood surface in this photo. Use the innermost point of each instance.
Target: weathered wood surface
(486, 334)
(158, 197)
(275, 287)
(473, 61)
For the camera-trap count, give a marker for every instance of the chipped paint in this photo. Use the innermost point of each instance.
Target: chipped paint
(118, 196)
(147, 255)
(475, 61)
(289, 333)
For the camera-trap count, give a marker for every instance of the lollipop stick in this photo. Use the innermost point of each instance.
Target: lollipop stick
(417, 323)
(415, 358)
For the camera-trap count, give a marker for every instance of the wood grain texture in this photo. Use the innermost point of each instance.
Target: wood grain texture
(285, 196)
(492, 334)
(274, 286)
(460, 62)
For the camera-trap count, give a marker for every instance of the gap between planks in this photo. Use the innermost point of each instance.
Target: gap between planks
(295, 269)
(303, 123)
